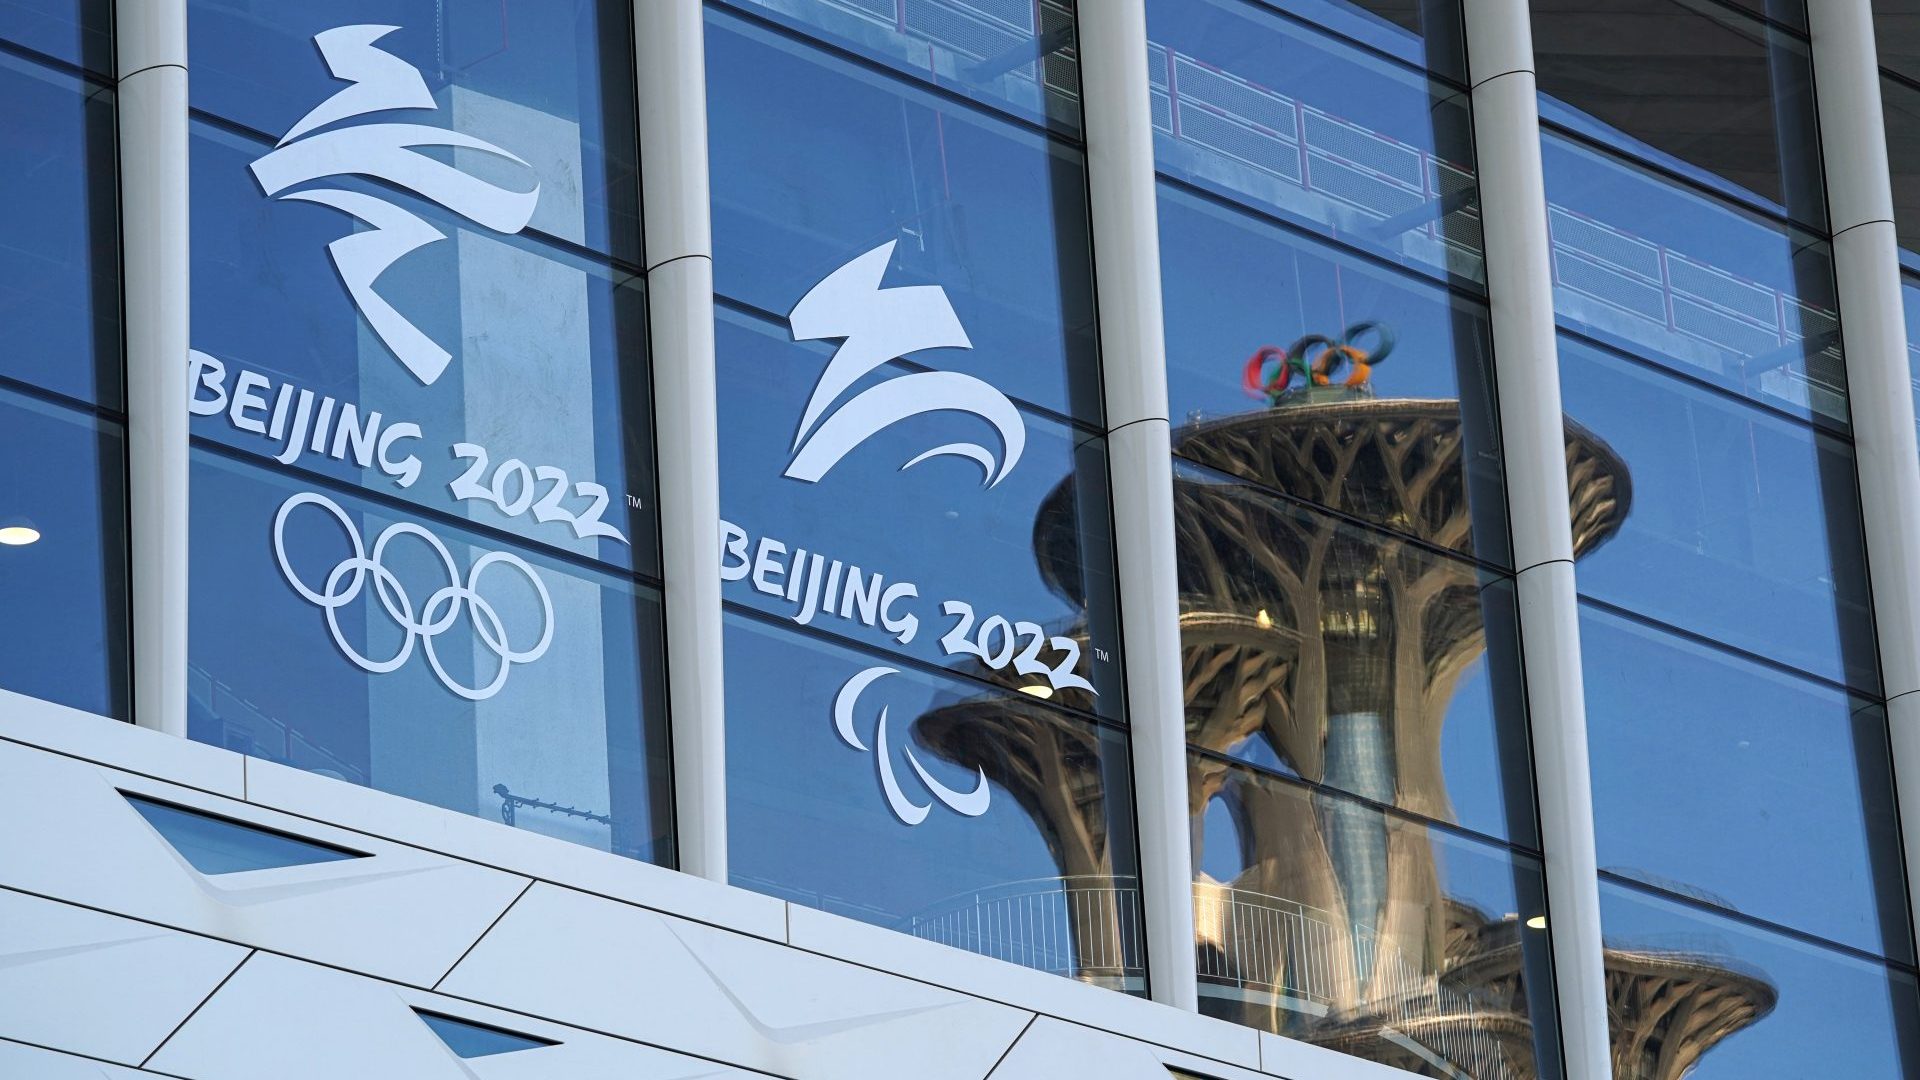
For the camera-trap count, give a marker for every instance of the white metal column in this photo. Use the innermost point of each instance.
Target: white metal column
(1506, 122)
(1126, 229)
(1867, 268)
(150, 39)
(669, 46)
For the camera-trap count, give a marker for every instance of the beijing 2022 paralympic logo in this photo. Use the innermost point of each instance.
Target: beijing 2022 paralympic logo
(316, 147)
(875, 326)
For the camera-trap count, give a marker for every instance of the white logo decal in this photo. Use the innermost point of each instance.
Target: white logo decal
(878, 325)
(442, 609)
(386, 151)
(968, 804)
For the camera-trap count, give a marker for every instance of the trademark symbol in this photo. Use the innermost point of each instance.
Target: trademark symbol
(1100, 654)
(633, 502)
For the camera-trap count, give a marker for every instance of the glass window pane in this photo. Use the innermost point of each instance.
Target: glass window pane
(1900, 104)
(1896, 30)
(1348, 927)
(470, 1040)
(1693, 87)
(1021, 56)
(1742, 786)
(336, 635)
(1409, 441)
(1910, 300)
(77, 31)
(63, 557)
(1731, 522)
(1425, 33)
(1715, 293)
(1349, 658)
(1709, 998)
(215, 845)
(538, 422)
(818, 162)
(977, 818)
(1011, 581)
(539, 94)
(1253, 106)
(60, 262)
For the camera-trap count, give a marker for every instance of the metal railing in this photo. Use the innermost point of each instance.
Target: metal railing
(1341, 980)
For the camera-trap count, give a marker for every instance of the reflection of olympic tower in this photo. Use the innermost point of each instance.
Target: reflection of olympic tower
(1340, 649)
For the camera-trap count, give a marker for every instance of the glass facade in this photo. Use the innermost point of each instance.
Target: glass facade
(1732, 678)
(63, 495)
(424, 549)
(427, 548)
(1359, 772)
(926, 719)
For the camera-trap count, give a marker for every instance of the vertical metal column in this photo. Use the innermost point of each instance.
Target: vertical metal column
(1126, 229)
(1867, 270)
(150, 39)
(1506, 122)
(670, 58)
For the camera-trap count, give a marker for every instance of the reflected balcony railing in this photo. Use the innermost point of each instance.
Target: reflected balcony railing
(1374, 189)
(245, 728)
(1265, 950)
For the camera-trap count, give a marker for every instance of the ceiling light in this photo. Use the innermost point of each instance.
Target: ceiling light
(18, 532)
(1538, 922)
(1039, 690)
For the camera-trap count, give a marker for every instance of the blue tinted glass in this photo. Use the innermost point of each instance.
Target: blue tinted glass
(1741, 786)
(1693, 87)
(1424, 33)
(1731, 522)
(470, 1040)
(1349, 927)
(538, 423)
(1716, 293)
(214, 845)
(1254, 106)
(63, 557)
(77, 31)
(817, 161)
(548, 84)
(385, 648)
(1011, 581)
(1349, 658)
(1411, 445)
(59, 257)
(1708, 998)
(1018, 55)
(943, 808)
(1910, 298)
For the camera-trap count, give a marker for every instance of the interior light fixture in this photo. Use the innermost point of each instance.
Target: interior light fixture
(1039, 690)
(1265, 620)
(1538, 922)
(18, 532)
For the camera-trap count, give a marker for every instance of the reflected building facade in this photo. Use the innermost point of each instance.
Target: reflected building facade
(1111, 664)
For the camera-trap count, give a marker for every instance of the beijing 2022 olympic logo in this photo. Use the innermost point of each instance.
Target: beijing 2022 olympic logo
(321, 145)
(386, 151)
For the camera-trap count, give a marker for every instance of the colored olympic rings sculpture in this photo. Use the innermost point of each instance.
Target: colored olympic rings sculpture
(1317, 368)
(349, 577)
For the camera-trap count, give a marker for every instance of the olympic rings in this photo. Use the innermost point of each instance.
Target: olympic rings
(442, 609)
(1319, 369)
